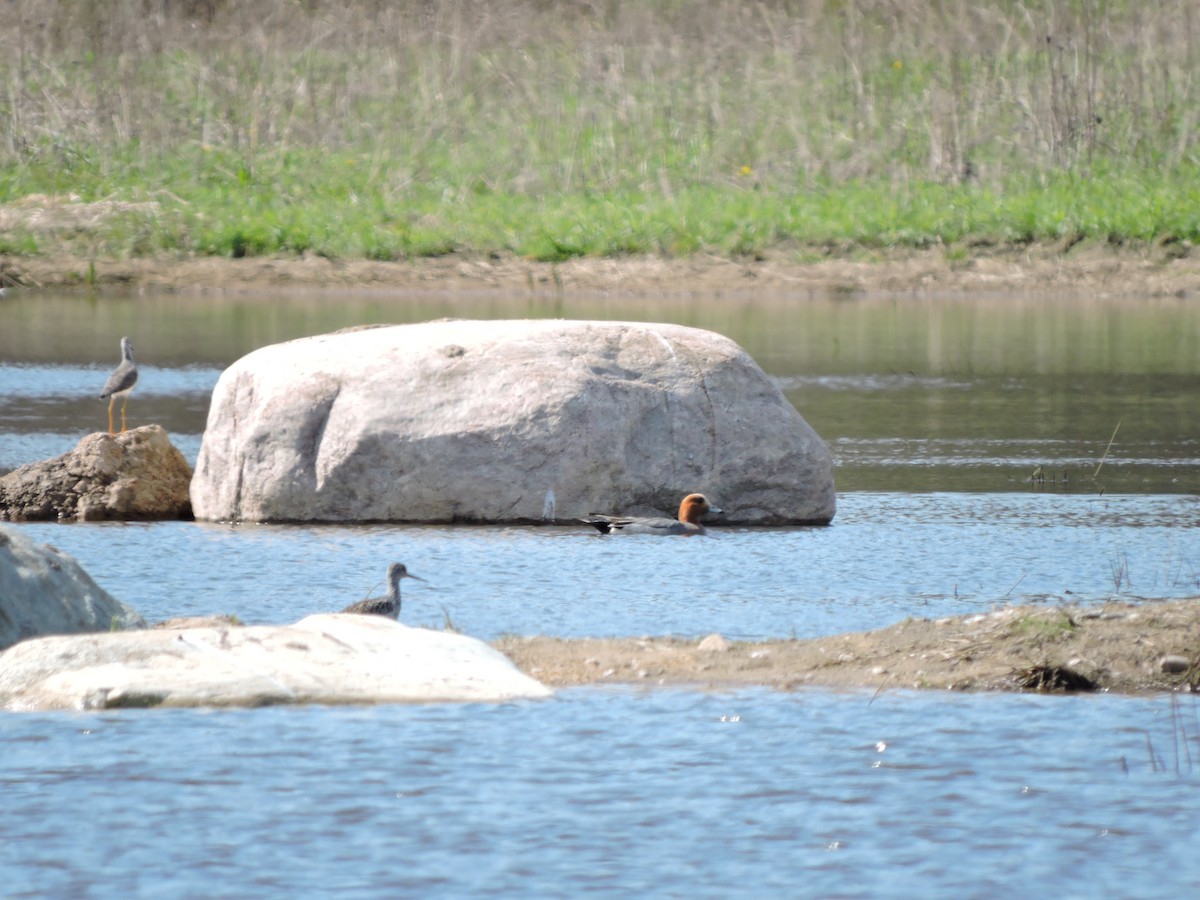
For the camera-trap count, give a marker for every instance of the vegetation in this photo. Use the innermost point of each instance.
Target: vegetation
(364, 129)
(1046, 625)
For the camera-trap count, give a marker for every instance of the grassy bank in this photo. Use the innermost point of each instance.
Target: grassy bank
(356, 130)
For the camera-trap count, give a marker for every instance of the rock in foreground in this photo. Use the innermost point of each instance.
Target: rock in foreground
(138, 474)
(333, 659)
(44, 591)
(506, 421)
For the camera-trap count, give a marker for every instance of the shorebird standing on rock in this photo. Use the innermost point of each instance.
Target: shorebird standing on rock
(384, 606)
(120, 383)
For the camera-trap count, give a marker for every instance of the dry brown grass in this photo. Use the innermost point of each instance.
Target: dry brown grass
(901, 89)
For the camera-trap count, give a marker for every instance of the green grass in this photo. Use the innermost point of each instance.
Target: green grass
(1046, 626)
(670, 128)
(330, 205)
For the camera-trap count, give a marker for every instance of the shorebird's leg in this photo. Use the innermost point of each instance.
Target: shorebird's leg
(111, 401)
(124, 401)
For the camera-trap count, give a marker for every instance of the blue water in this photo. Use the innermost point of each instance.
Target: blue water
(885, 557)
(610, 793)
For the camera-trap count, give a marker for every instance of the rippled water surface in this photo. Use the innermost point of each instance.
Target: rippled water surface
(885, 557)
(937, 413)
(611, 793)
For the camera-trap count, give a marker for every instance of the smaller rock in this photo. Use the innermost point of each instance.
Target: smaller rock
(1174, 665)
(714, 643)
(135, 475)
(45, 591)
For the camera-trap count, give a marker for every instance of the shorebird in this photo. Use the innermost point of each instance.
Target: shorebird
(120, 383)
(384, 606)
(690, 510)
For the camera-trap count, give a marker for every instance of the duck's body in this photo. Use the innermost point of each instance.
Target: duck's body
(120, 383)
(691, 510)
(642, 525)
(388, 606)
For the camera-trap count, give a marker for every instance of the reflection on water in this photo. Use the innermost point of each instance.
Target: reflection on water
(958, 394)
(991, 432)
(947, 336)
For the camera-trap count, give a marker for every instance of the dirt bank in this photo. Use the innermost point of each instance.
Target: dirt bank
(1116, 647)
(1158, 270)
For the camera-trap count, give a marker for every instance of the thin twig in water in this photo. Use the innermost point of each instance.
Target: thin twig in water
(1014, 587)
(1106, 449)
(1155, 763)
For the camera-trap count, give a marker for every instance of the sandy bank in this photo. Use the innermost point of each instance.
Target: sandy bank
(1122, 647)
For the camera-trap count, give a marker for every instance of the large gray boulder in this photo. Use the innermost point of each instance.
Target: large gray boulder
(506, 421)
(333, 659)
(45, 591)
(138, 474)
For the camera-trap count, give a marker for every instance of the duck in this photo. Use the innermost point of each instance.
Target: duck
(120, 383)
(691, 509)
(388, 606)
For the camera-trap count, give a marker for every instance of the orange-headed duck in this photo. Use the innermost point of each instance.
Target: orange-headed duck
(384, 606)
(690, 510)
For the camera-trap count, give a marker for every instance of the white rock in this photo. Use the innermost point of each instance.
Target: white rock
(330, 659)
(714, 643)
(45, 591)
(506, 421)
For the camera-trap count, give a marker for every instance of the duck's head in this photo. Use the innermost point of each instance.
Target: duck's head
(693, 507)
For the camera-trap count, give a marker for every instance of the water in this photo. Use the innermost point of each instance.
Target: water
(937, 413)
(609, 793)
(886, 557)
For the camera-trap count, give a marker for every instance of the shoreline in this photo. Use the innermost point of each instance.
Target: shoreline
(1165, 270)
